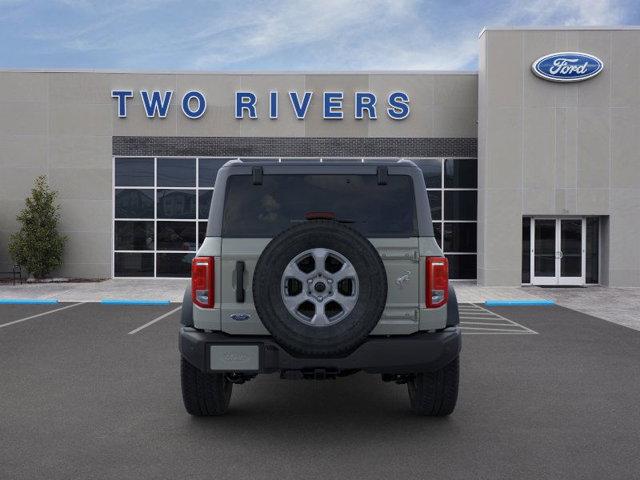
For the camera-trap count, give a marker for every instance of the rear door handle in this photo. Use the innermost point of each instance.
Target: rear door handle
(240, 282)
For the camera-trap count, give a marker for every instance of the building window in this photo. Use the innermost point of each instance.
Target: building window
(161, 208)
(452, 186)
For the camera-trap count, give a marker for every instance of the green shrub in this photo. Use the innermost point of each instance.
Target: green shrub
(37, 246)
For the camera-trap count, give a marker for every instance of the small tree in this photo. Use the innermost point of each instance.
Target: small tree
(38, 246)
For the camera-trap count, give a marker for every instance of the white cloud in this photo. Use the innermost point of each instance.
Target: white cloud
(302, 34)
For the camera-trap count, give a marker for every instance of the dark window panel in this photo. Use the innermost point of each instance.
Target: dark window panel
(176, 172)
(462, 267)
(526, 250)
(437, 232)
(133, 236)
(593, 240)
(176, 236)
(134, 172)
(460, 205)
(460, 173)
(133, 264)
(460, 237)
(431, 171)
(208, 170)
(202, 232)
(435, 203)
(134, 203)
(176, 203)
(174, 264)
(263, 211)
(204, 202)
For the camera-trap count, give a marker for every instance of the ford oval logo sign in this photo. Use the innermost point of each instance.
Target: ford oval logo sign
(567, 66)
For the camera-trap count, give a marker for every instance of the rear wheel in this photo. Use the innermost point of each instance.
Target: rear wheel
(434, 394)
(204, 394)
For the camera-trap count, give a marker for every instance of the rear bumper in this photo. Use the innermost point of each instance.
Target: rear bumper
(420, 352)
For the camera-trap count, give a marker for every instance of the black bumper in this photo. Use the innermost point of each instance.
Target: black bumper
(405, 354)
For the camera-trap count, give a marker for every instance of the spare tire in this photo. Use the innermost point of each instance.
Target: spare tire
(319, 288)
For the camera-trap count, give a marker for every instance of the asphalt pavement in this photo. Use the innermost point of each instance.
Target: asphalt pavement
(85, 392)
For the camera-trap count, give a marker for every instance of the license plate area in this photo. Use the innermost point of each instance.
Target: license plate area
(234, 358)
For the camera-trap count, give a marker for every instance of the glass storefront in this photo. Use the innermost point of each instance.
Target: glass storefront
(560, 251)
(161, 207)
(452, 185)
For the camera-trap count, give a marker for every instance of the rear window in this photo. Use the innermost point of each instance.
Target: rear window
(284, 200)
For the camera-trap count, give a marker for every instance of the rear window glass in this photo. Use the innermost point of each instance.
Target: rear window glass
(284, 200)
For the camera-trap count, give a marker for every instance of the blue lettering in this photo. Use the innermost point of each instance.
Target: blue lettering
(398, 105)
(122, 96)
(365, 101)
(246, 101)
(273, 105)
(156, 105)
(300, 109)
(200, 100)
(332, 105)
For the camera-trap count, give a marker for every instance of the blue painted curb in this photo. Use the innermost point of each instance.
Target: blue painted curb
(27, 301)
(518, 303)
(133, 302)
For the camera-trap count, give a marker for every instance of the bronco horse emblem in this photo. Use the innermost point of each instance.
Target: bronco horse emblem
(402, 279)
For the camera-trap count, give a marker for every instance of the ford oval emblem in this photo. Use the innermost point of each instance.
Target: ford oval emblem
(240, 317)
(567, 66)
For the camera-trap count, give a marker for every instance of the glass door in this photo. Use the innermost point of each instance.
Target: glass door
(558, 251)
(572, 248)
(543, 252)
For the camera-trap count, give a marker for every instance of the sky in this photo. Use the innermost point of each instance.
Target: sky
(277, 35)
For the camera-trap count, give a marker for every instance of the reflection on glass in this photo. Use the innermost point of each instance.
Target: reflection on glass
(460, 173)
(435, 203)
(134, 203)
(204, 202)
(134, 172)
(208, 170)
(174, 264)
(544, 262)
(460, 205)
(177, 204)
(593, 240)
(571, 248)
(462, 267)
(133, 264)
(202, 232)
(176, 172)
(133, 236)
(437, 232)
(431, 171)
(526, 250)
(460, 237)
(176, 236)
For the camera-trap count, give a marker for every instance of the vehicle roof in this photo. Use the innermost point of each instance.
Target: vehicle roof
(315, 162)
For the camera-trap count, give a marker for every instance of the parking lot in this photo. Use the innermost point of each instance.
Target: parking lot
(92, 391)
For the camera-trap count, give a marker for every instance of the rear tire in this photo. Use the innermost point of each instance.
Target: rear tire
(434, 394)
(204, 394)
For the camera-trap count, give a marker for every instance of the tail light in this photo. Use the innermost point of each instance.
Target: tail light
(437, 279)
(202, 284)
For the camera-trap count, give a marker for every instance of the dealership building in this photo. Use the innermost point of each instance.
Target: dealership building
(532, 163)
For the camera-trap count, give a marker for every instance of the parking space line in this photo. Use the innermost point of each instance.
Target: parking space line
(510, 330)
(164, 315)
(475, 319)
(487, 323)
(39, 315)
(508, 320)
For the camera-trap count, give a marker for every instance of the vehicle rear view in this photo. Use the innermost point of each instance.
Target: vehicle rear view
(319, 270)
